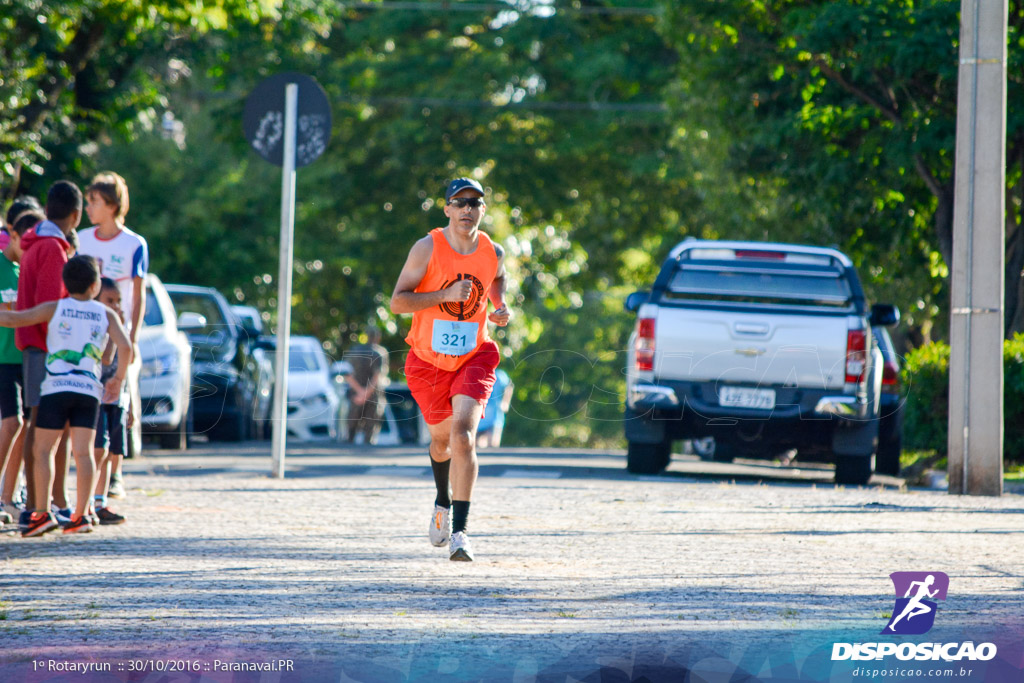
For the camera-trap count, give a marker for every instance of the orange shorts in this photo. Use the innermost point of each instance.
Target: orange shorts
(433, 388)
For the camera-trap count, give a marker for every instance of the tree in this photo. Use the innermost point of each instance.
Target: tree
(852, 106)
(76, 70)
(593, 179)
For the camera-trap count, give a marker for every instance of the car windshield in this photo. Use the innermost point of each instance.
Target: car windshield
(726, 282)
(303, 359)
(153, 315)
(205, 306)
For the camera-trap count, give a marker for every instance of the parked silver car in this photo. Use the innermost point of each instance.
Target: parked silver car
(166, 372)
(312, 400)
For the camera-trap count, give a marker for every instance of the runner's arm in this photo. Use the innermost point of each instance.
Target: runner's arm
(30, 316)
(501, 313)
(406, 299)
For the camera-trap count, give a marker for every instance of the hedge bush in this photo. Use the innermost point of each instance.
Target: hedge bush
(925, 376)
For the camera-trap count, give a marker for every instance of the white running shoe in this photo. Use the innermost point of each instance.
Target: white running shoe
(440, 526)
(13, 511)
(459, 549)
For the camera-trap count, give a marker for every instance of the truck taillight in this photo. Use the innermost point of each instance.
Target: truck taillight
(890, 375)
(856, 355)
(645, 344)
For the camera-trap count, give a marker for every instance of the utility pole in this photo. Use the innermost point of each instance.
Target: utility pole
(976, 323)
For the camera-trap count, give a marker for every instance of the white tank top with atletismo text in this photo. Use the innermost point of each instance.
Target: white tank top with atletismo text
(75, 340)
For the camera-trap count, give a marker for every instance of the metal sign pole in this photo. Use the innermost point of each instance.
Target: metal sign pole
(284, 281)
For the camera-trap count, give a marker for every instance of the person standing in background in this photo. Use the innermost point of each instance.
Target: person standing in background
(123, 256)
(12, 383)
(492, 424)
(367, 381)
(44, 253)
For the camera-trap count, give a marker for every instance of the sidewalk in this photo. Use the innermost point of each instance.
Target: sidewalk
(577, 563)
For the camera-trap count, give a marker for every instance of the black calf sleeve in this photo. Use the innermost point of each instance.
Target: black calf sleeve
(460, 514)
(441, 482)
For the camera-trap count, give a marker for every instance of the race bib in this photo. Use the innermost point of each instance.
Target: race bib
(453, 338)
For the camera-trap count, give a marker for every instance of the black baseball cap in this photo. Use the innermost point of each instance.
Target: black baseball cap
(460, 184)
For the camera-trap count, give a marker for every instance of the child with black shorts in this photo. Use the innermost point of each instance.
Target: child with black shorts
(13, 410)
(113, 421)
(71, 392)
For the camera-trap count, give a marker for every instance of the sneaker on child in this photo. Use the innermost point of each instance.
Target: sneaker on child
(12, 509)
(116, 489)
(63, 517)
(108, 516)
(39, 523)
(79, 525)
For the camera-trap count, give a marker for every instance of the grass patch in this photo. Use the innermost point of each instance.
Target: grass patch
(566, 615)
(914, 463)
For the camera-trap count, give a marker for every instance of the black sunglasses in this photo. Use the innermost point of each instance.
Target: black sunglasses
(463, 202)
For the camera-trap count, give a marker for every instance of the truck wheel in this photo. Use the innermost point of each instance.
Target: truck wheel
(890, 444)
(648, 458)
(853, 470)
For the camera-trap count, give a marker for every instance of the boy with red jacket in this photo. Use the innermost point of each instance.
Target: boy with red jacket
(45, 251)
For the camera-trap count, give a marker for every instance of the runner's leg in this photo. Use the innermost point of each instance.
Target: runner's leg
(464, 467)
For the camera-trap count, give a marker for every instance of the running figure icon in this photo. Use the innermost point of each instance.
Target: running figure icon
(919, 591)
(915, 607)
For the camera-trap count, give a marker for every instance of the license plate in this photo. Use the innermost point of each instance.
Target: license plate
(745, 397)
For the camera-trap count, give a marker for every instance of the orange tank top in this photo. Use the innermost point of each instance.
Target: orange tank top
(447, 335)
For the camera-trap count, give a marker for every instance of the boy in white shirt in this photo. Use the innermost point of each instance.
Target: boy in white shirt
(123, 256)
(76, 336)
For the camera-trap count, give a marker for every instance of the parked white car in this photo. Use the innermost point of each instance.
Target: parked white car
(313, 402)
(166, 373)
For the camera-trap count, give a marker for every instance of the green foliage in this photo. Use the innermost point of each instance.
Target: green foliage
(925, 377)
(76, 71)
(849, 107)
(592, 182)
(604, 137)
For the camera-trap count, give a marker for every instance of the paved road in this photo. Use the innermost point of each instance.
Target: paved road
(580, 565)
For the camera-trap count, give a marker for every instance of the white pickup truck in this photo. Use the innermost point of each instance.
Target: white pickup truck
(765, 347)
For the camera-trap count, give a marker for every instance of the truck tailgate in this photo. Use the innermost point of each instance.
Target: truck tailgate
(696, 344)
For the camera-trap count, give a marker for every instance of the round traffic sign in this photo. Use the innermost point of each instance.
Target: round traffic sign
(263, 119)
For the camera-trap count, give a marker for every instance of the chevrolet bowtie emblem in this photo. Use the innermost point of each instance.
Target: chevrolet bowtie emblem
(752, 351)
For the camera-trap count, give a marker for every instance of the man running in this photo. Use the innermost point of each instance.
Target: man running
(445, 283)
